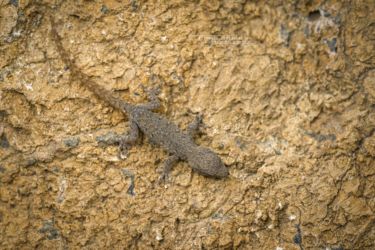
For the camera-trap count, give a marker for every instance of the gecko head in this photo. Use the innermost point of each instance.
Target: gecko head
(208, 163)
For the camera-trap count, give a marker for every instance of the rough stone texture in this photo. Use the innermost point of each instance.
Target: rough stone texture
(287, 91)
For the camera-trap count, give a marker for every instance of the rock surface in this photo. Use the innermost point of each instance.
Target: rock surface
(287, 92)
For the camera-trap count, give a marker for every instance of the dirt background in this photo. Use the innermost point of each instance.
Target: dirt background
(287, 92)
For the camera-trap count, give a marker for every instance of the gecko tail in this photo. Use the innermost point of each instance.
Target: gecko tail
(84, 79)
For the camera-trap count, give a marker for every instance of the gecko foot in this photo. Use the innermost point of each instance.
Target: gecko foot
(124, 149)
(193, 127)
(125, 142)
(163, 178)
(152, 95)
(168, 165)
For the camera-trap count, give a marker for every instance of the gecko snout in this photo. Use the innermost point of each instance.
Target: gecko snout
(221, 170)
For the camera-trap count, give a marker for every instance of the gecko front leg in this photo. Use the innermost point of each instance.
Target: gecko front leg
(126, 141)
(152, 95)
(168, 165)
(193, 127)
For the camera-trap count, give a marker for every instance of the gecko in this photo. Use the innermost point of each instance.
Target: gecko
(159, 130)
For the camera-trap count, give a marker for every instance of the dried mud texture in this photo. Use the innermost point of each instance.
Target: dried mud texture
(287, 92)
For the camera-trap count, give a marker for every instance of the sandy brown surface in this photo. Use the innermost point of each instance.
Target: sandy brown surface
(287, 92)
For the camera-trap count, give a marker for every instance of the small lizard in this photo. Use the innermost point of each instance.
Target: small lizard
(158, 129)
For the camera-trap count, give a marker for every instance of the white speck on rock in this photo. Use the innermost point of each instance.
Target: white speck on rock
(159, 237)
(280, 205)
(164, 39)
(29, 86)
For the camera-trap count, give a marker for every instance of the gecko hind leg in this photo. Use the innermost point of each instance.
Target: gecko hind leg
(125, 142)
(152, 95)
(168, 165)
(193, 127)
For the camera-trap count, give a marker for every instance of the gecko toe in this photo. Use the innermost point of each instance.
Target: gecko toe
(123, 151)
(163, 178)
(123, 155)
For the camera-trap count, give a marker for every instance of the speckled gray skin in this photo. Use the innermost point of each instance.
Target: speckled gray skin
(158, 129)
(180, 145)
